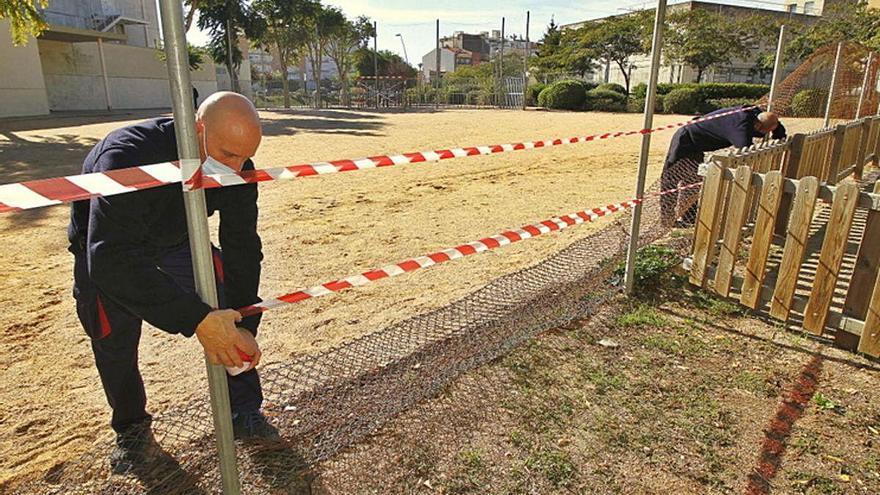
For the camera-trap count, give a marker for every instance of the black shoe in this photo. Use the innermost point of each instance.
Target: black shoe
(252, 425)
(134, 448)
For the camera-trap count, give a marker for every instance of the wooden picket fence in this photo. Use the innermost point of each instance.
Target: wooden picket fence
(783, 229)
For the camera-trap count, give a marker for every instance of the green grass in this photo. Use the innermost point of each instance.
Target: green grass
(556, 466)
(642, 316)
(682, 343)
(754, 383)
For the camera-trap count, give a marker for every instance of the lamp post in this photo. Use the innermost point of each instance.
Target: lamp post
(405, 57)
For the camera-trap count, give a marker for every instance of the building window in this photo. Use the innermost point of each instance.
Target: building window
(809, 7)
(792, 7)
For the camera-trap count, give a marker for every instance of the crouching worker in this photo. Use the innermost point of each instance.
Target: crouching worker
(132, 263)
(686, 153)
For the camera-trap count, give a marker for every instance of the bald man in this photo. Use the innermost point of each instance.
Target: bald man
(132, 263)
(688, 145)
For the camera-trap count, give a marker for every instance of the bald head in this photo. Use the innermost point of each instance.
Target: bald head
(767, 123)
(229, 129)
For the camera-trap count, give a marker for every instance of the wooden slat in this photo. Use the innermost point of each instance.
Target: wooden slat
(843, 210)
(736, 217)
(707, 222)
(870, 341)
(791, 170)
(866, 269)
(835, 163)
(795, 245)
(768, 207)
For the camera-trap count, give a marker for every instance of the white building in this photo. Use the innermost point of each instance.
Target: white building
(95, 55)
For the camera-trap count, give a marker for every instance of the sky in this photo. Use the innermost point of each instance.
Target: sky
(415, 20)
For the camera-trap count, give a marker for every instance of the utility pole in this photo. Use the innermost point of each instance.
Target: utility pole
(864, 85)
(777, 68)
(437, 60)
(501, 91)
(376, 61)
(525, 84)
(833, 84)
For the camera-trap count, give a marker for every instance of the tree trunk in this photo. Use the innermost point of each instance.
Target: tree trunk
(190, 16)
(285, 84)
(700, 74)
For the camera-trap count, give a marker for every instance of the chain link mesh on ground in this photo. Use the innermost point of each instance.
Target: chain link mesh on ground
(326, 403)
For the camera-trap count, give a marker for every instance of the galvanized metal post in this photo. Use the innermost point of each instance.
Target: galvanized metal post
(827, 121)
(376, 61)
(864, 85)
(437, 60)
(525, 84)
(656, 46)
(502, 93)
(777, 68)
(197, 225)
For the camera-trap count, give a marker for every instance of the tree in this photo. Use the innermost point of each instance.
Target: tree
(616, 39)
(702, 39)
(224, 19)
(547, 61)
(388, 62)
(24, 18)
(341, 46)
(286, 31)
(843, 21)
(195, 54)
(321, 26)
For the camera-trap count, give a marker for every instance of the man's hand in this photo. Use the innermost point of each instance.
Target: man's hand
(248, 344)
(218, 335)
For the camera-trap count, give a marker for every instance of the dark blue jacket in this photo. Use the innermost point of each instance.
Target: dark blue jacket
(122, 236)
(736, 129)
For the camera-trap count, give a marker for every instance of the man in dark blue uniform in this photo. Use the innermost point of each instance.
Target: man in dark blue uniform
(686, 151)
(132, 264)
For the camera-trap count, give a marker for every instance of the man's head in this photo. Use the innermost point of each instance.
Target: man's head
(767, 123)
(229, 129)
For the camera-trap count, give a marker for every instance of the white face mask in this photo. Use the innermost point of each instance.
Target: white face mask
(212, 166)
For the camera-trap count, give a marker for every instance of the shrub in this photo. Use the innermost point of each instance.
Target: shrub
(590, 85)
(563, 95)
(714, 91)
(617, 88)
(718, 104)
(640, 90)
(682, 101)
(808, 103)
(637, 105)
(653, 269)
(533, 92)
(604, 100)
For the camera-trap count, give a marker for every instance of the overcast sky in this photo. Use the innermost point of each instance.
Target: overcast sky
(414, 19)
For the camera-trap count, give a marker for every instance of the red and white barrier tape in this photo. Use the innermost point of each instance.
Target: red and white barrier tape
(48, 192)
(486, 244)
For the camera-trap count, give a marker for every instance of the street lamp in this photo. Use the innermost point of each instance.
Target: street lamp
(405, 57)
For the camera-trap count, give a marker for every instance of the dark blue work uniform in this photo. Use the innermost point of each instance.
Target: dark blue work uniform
(132, 263)
(686, 151)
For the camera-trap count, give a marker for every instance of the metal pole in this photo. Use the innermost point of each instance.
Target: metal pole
(777, 68)
(864, 85)
(656, 46)
(525, 84)
(501, 92)
(376, 61)
(833, 83)
(437, 60)
(104, 74)
(197, 226)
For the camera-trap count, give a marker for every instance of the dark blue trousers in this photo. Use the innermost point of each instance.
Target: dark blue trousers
(115, 334)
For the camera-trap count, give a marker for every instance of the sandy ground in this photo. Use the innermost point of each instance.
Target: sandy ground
(317, 229)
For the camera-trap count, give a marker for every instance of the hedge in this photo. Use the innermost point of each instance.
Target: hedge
(809, 103)
(563, 95)
(533, 92)
(637, 105)
(617, 88)
(714, 91)
(683, 101)
(605, 100)
(718, 104)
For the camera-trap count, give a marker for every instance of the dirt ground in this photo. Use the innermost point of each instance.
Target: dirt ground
(317, 229)
(683, 394)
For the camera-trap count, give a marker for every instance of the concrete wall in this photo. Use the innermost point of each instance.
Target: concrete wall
(22, 91)
(137, 78)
